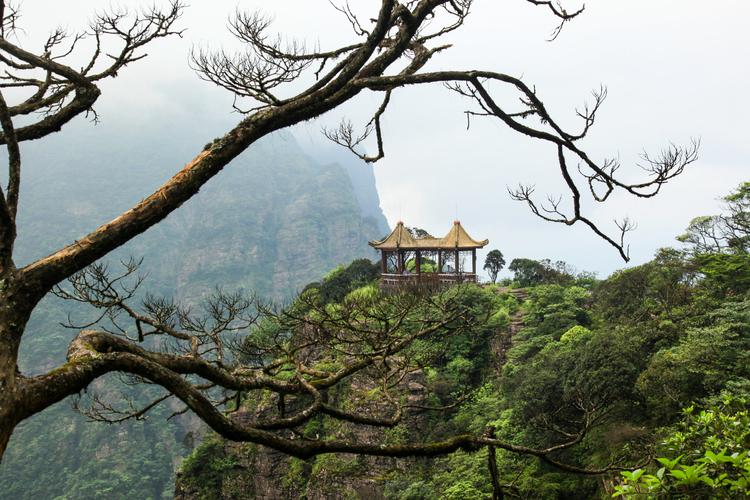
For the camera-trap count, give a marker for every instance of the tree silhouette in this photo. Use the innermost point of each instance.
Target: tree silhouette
(493, 263)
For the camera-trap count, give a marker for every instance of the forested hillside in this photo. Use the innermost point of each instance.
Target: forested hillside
(275, 220)
(645, 375)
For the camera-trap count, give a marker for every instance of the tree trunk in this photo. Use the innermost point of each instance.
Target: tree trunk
(6, 430)
(15, 309)
(9, 342)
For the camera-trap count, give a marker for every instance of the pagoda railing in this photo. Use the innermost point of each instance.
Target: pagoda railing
(394, 280)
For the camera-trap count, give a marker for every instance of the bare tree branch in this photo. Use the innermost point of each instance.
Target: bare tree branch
(201, 355)
(559, 11)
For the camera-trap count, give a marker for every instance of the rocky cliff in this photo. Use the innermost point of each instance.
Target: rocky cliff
(228, 470)
(274, 220)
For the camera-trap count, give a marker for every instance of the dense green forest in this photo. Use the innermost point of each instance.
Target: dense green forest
(654, 360)
(228, 235)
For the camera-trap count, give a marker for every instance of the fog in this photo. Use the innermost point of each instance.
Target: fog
(674, 70)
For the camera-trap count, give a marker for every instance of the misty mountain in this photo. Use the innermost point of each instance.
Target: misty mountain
(276, 219)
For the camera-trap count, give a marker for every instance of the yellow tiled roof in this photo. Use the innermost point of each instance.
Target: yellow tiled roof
(400, 238)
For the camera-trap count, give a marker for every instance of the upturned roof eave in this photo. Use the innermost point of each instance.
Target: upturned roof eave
(456, 239)
(383, 245)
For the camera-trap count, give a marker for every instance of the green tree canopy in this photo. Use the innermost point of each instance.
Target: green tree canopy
(493, 263)
(529, 272)
(727, 232)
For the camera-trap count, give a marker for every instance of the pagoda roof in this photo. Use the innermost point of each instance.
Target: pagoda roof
(401, 239)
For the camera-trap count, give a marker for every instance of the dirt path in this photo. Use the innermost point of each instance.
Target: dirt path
(504, 338)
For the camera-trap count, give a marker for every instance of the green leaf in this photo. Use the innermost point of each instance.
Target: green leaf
(669, 464)
(660, 473)
(678, 474)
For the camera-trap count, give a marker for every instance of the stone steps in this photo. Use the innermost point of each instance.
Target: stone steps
(520, 293)
(504, 339)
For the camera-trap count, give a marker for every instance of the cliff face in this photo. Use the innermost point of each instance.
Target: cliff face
(273, 221)
(223, 469)
(229, 470)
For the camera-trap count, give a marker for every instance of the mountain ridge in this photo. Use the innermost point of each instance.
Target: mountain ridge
(241, 232)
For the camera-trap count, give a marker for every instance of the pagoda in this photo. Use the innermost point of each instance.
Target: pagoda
(426, 260)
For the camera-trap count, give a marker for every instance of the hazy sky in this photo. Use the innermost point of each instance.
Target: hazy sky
(675, 69)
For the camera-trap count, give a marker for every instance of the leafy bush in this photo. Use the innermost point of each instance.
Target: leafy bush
(707, 455)
(205, 467)
(725, 274)
(344, 279)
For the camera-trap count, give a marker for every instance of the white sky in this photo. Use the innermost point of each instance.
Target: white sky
(675, 69)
